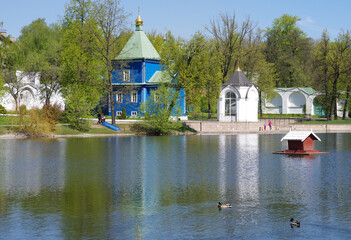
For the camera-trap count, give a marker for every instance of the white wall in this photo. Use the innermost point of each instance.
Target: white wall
(29, 94)
(292, 102)
(247, 104)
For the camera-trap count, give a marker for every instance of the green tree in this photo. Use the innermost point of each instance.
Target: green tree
(81, 64)
(266, 77)
(155, 109)
(347, 94)
(332, 64)
(290, 50)
(79, 106)
(157, 40)
(124, 113)
(40, 46)
(4, 48)
(37, 37)
(322, 81)
(339, 65)
(6, 58)
(209, 73)
(260, 72)
(111, 19)
(14, 84)
(182, 60)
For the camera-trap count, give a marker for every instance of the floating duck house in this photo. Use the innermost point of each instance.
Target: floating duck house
(301, 143)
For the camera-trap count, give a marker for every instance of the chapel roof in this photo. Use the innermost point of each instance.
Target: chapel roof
(238, 78)
(138, 46)
(300, 136)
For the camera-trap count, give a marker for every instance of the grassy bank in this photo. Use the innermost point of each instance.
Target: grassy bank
(95, 129)
(8, 120)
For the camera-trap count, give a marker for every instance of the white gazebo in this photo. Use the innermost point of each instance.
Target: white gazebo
(238, 100)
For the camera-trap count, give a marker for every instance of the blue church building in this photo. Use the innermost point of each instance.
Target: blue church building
(138, 72)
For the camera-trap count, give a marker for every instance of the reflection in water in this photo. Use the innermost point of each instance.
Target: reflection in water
(222, 166)
(31, 166)
(167, 188)
(247, 166)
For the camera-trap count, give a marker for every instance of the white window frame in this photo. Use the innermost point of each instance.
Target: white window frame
(119, 97)
(134, 114)
(118, 113)
(156, 97)
(126, 75)
(134, 97)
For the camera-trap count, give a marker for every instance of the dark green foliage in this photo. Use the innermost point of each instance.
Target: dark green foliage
(155, 109)
(2, 109)
(290, 50)
(79, 106)
(150, 128)
(124, 113)
(81, 75)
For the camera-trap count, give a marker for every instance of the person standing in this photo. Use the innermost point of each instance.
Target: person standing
(99, 118)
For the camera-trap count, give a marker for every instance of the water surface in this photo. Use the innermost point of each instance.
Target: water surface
(167, 188)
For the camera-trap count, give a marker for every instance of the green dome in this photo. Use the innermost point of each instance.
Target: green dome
(138, 47)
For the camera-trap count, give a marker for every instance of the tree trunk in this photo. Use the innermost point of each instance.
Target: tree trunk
(346, 102)
(16, 101)
(209, 109)
(327, 108)
(335, 109)
(260, 103)
(334, 97)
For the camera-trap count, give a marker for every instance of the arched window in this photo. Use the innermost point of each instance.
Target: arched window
(230, 104)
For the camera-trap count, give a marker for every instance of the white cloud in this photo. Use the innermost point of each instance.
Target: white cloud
(306, 22)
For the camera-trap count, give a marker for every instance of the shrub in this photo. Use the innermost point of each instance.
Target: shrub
(80, 124)
(38, 122)
(51, 114)
(22, 109)
(124, 113)
(2, 109)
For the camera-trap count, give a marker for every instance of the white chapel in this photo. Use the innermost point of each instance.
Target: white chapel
(238, 100)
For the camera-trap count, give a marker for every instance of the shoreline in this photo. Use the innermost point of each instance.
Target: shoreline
(89, 135)
(83, 135)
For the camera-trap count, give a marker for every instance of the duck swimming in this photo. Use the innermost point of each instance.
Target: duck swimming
(294, 223)
(220, 205)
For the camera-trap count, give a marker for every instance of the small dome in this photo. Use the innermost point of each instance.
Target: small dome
(138, 21)
(238, 78)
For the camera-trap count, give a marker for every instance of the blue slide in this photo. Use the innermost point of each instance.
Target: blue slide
(111, 126)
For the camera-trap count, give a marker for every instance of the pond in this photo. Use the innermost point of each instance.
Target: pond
(168, 188)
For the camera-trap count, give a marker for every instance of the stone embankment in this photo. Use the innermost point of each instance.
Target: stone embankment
(279, 126)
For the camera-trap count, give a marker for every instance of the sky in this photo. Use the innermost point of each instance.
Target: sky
(185, 17)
